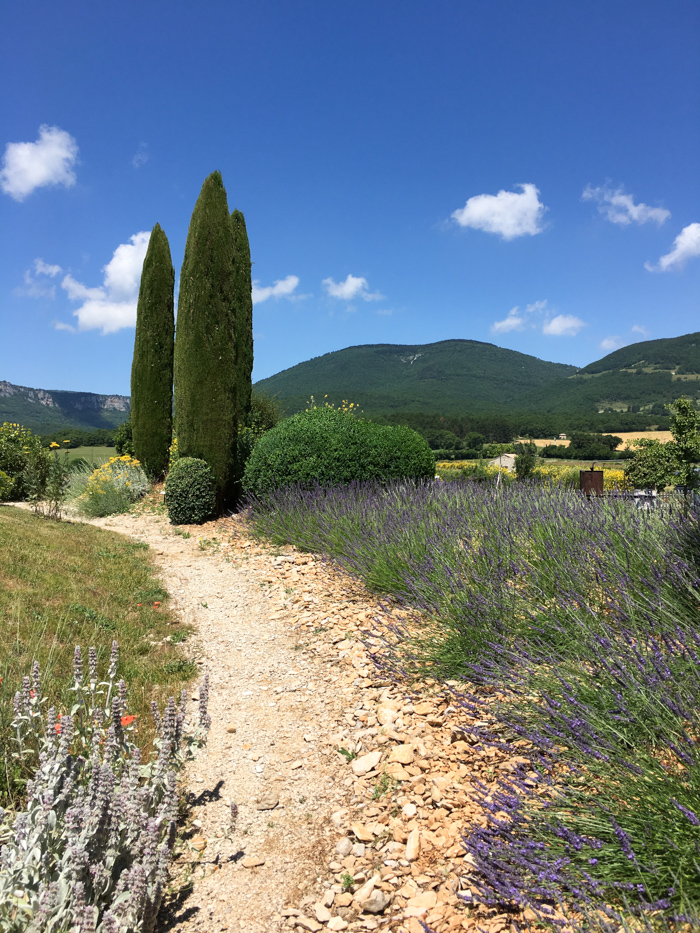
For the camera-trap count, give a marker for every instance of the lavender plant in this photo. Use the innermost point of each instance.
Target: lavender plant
(573, 624)
(90, 849)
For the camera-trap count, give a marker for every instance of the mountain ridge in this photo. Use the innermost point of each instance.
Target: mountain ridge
(53, 409)
(450, 377)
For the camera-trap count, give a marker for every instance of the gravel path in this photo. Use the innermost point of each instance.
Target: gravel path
(320, 842)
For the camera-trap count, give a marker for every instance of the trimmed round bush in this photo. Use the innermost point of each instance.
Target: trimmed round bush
(190, 496)
(329, 447)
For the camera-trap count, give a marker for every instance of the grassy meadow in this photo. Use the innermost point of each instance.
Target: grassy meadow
(64, 584)
(95, 456)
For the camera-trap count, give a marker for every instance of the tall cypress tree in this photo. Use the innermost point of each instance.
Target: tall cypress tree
(206, 407)
(243, 313)
(152, 367)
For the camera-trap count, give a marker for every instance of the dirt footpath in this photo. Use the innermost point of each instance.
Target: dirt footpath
(367, 838)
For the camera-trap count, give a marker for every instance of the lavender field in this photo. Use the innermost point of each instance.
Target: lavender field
(573, 627)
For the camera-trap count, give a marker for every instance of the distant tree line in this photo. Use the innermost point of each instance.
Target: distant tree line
(69, 438)
(462, 433)
(584, 446)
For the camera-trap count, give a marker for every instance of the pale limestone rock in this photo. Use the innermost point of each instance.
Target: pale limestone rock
(364, 892)
(362, 832)
(386, 715)
(412, 846)
(308, 923)
(377, 902)
(343, 847)
(251, 861)
(366, 763)
(427, 899)
(402, 754)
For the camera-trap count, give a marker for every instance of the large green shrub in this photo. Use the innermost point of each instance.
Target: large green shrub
(21, 458)
(190, 496)
(6, 486)
(124, 439)
(264, 414)
(330, 447)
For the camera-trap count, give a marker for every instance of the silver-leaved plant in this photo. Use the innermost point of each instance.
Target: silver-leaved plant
(89, 852)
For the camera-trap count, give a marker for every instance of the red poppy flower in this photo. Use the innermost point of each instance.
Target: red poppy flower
(127, 720)
(156, 604)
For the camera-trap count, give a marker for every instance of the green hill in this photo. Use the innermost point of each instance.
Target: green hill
(480, 383)
(451, 376)
(642, 377)
(671, 354)
(467, 376)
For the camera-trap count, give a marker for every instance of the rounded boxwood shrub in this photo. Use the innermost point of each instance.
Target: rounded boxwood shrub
(190, 496)
(329, 447)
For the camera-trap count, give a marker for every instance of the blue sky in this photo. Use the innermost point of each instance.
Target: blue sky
(524, 173)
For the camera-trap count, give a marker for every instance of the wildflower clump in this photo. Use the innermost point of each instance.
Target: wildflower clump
(90, 849)
(113, 487)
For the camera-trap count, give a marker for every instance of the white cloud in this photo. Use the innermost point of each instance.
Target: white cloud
(283, 288)
(507, 213)
(563, 325)
(512, 321)
(640, 329)
(517, 319)
(619, 208)
(353, 287)
(112, 305)
(48, 161)
(36, 288)
(141, 156)
(610, 343)
(686, 246)
(43, 268)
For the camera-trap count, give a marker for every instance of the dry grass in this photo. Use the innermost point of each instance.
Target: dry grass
(627, 437)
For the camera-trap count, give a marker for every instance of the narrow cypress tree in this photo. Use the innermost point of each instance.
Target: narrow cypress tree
(206, 407)
(152, 367)
(243, 313)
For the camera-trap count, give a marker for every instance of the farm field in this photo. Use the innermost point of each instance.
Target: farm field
(627, 436)
(94, 455)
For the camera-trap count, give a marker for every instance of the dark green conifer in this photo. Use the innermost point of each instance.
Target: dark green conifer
(243, 315)
(206, 407)
(152, 367)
